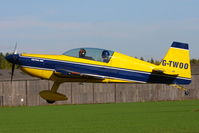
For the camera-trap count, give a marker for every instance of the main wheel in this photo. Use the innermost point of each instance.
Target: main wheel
(50, 102)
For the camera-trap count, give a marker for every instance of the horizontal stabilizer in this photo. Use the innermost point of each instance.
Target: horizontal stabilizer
(163, 72)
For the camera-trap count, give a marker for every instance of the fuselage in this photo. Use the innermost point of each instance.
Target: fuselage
(120, 68)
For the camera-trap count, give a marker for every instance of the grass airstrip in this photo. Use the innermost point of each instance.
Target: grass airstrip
(146, 117)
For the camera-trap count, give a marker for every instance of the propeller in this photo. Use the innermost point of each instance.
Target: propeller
(13, 64)
(13, 58)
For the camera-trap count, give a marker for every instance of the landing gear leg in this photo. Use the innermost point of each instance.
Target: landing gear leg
(55, 86)
(186, 91)
(52, 95)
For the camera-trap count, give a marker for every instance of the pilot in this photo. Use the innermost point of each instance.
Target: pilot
(82, 53)
(105, 56)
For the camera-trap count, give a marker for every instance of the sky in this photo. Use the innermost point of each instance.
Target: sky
(141, 28)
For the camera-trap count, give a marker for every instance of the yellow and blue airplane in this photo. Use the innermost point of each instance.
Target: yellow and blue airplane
(101, 65)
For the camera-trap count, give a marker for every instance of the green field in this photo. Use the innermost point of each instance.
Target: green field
(147, 117)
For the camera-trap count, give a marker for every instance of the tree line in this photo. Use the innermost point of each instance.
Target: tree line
(4, 64)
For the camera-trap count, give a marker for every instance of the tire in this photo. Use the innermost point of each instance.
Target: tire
(50, 102)
(187, 92)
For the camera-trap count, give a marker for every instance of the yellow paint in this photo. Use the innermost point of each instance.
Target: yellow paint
(123, 61)
(180, 56)
(44, 74)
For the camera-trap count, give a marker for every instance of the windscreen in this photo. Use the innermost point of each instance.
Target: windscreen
(95, 54)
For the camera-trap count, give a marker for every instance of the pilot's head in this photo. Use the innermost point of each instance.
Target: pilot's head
(105, 54)
(82, 53)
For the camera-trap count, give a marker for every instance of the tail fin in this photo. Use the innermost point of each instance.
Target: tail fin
(177, 61)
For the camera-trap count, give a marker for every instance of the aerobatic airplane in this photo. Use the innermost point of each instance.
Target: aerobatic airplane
(101, 65)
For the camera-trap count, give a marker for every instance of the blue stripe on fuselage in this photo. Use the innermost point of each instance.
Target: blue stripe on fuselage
(111, 72)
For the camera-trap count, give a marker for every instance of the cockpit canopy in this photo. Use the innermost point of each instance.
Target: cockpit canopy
(95, 54)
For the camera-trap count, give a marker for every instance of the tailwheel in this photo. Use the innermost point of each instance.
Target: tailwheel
(52, 95)
(187, 92)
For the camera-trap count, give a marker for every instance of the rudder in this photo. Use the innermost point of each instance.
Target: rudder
(177, 61)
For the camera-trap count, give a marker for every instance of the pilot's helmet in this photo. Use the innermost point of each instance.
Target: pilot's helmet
(105, 54)
(82, 52)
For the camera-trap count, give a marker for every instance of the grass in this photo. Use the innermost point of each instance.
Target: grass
(147, 117)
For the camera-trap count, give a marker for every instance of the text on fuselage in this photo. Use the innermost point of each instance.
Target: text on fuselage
(37, 60)
(175, 64)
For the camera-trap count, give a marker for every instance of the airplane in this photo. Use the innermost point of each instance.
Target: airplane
(97, 65)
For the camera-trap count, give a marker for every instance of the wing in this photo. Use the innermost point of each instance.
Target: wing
(69, 73)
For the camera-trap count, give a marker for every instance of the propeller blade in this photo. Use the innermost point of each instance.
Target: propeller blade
(15, 50)
(13, 69)
(13, 58)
